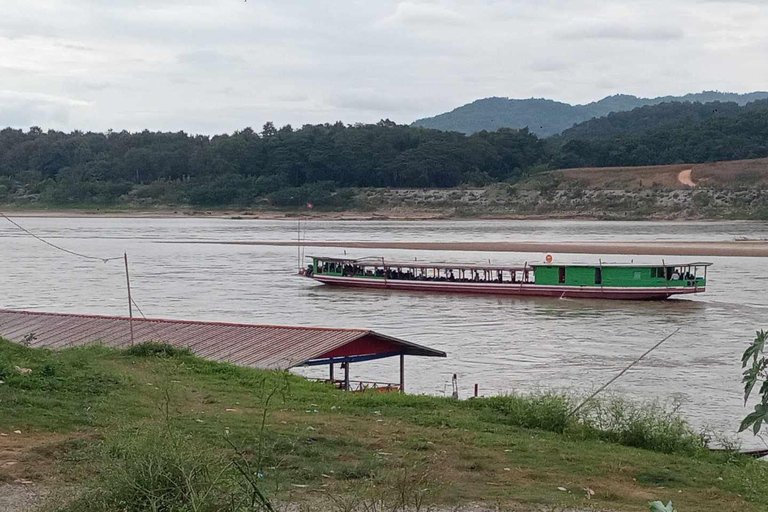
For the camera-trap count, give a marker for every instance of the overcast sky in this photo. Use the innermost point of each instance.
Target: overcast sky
(211, 66)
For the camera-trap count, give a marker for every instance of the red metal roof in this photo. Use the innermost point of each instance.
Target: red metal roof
(270, 347)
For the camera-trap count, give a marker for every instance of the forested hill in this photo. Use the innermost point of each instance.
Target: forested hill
(547, 117)
(667, 134)
(652, 117)
(316, 163)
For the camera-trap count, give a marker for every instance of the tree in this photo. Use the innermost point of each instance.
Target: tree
(755, 373)
(268, 130)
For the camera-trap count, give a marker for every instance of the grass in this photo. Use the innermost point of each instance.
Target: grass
(158, 429)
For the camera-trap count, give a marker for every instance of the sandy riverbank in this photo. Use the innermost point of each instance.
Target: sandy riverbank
(744, 249)
(237, 214)
(398, 214)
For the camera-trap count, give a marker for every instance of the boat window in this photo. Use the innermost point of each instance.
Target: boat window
(562, 275)
(598, 275)
(654, 272)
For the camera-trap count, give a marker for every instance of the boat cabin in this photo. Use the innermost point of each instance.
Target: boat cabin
(613, 275)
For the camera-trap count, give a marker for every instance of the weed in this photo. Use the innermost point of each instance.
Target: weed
(157, 349)
(652, 426)
(163, 469)
(546, 411)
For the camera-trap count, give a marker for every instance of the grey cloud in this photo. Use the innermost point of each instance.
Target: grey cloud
(548, 65)
(372, 101)
(209, 59)
(205, 66)
(422, 13)
(622, 32)
(24, 113)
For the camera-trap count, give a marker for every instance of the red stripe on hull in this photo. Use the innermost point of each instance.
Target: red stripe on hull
(530, 290)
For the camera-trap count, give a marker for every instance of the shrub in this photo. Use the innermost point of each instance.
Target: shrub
(157, 349)
(650, 425)
(163, 470)
(547, 411)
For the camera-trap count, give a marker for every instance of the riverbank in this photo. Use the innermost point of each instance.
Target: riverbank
(81, 425)
(758, 248)
(557, 195)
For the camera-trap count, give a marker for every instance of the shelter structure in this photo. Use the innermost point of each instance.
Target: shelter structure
(267, 347)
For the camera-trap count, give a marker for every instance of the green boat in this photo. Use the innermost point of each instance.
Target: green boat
(602, 281)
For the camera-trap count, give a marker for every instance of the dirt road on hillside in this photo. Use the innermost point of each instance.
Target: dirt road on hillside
(685, 178)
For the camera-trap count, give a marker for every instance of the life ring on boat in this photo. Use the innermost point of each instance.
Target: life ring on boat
(548, 259)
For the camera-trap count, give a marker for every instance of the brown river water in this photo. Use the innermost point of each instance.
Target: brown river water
(503, 344)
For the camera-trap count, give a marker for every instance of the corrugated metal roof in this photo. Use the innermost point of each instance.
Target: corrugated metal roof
(258, 346)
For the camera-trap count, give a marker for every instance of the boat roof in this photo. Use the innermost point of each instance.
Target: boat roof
(380, 261)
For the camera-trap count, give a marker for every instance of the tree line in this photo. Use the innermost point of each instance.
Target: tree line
(288, 167)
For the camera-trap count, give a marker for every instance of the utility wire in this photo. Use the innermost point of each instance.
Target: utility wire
(150, 323)
(140, 311)
(625, 370)
(105, 260)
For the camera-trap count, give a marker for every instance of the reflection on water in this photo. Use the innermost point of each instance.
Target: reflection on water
(501, 343)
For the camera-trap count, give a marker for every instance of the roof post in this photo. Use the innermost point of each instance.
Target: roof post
(333, 381)
(346, 376)
(402, 372)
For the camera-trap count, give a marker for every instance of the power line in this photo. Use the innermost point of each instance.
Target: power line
(79, 255)
(73, 253)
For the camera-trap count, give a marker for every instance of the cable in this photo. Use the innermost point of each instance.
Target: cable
(79, 255)
(105, 260)
(140, 311)
(625, 370)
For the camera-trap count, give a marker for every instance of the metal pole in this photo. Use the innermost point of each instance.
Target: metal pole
(346, 376)
(130, 300)
(402, 373)
(332, 379)
(298, 244)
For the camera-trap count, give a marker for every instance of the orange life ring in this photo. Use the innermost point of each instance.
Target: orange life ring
(548, 258)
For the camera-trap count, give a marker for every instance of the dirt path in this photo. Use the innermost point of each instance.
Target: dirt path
(19, 498)
(685, 178)
(26, 468)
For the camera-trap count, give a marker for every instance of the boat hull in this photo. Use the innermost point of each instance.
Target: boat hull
(526, 290)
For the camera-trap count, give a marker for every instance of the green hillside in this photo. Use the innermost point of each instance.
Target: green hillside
(667, 134)
(651, 117)
(547, 117)
(154, 428)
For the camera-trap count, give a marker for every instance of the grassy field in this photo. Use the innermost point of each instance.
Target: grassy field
(99, 429)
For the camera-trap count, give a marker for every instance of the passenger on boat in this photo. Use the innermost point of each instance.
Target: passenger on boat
(477, 276)
(310, 271)
(675, 276)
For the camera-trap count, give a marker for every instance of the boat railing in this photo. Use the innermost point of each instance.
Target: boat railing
(358, 386)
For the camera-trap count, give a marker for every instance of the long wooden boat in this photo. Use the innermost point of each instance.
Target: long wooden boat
(603, 281)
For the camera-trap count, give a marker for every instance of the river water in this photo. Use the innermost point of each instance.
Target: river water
(503, 344)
